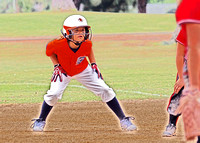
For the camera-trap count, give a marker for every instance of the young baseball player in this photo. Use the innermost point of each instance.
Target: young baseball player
(188, 16)
(69, 58)
(181, 61)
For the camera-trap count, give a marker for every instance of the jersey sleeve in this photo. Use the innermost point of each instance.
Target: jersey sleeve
(50, 48)
(181, 38)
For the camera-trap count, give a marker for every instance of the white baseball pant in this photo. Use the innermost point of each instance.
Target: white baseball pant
(88, 78)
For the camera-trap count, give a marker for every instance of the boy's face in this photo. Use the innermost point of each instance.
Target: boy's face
(78, 34)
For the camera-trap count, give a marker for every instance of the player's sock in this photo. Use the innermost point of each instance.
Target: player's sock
(45, 111)
(115, 107)
(173, 119)
(198, 141)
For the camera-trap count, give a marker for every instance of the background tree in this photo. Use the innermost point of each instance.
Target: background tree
(142, 6)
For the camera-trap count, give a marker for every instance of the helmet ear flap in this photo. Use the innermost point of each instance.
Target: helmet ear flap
(64, 33)
(70, 34)
(86, 33)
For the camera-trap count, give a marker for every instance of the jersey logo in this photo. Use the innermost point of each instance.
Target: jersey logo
(79, 60)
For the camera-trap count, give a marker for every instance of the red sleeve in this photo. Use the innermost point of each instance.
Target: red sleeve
(188, 12)
(50, 48)
(182, 38)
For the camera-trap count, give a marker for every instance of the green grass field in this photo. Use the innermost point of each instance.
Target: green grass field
(50, 23)
(134, 72)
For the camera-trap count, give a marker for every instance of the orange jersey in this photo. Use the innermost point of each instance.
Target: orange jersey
(72, 63)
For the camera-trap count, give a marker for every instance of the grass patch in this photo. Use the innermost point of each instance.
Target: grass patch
(26, 71)
(50, 23)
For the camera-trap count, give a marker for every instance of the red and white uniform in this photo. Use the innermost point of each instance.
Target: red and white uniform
(188, 12)
(174, 99)
(76, 67)
(182, 39)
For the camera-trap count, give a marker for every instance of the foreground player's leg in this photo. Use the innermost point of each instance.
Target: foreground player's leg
(173, 119)
(171, 127)
(198, 140)
(172, 107)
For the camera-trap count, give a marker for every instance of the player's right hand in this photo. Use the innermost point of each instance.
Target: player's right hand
(178, 85)
(58, 72)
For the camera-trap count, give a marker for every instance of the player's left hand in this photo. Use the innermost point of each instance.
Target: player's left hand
(96, 69)
(178, 85)
(58, 71)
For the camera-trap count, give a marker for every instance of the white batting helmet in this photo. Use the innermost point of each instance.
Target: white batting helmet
(72, 22)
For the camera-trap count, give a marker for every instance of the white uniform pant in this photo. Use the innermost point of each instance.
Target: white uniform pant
(88, 78)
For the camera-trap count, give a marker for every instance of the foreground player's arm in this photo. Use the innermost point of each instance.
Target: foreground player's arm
(193, 37)
(179, 65)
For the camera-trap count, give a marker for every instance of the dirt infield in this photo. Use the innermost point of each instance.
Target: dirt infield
(88, 122)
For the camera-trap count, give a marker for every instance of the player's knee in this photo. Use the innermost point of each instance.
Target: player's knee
(53, 96)
(50, 99)
(55, 92)
(51, 102)
(107, 95)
